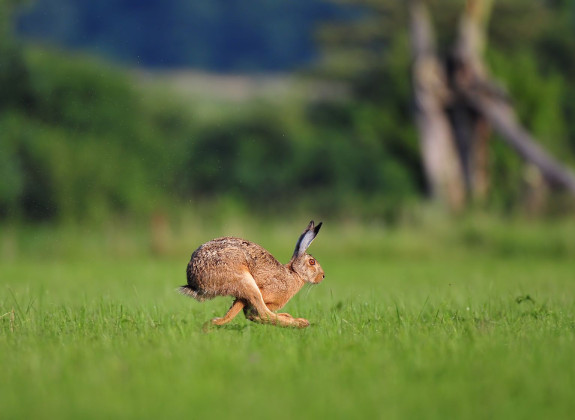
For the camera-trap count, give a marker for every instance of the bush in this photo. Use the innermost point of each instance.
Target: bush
(84, 144)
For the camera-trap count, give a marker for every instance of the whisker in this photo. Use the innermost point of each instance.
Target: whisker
(308, 287)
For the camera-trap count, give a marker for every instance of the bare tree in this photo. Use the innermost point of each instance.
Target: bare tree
(439, 155)
(457, 105)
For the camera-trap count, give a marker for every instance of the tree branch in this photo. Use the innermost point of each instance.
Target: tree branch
(502, 117)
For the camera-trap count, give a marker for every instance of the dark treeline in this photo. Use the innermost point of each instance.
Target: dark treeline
(80, 141)
(218, 35)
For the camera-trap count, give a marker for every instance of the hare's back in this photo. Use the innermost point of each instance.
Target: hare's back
(215, 266)
(228, 253)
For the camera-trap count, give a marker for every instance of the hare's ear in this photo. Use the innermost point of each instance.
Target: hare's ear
(306, 239)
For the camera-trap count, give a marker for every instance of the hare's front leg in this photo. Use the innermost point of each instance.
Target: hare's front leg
(235, 309)
(259, 312)
(274, 303)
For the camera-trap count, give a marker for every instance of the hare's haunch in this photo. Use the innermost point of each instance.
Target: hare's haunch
(259, 283)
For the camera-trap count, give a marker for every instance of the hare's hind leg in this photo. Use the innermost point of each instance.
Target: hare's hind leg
(231, 314)
(283, 319)
(298, 322)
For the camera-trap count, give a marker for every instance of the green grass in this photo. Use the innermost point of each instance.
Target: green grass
(411, 330)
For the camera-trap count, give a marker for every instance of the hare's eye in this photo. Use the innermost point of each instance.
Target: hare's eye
(312, 262)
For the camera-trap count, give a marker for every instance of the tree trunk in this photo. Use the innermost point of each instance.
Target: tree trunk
(472, 131)
(490, 103)
(457, 105)
(439, 155)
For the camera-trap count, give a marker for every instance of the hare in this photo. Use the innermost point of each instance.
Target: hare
(259, 283)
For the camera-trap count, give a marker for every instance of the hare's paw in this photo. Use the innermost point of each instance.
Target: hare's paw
(290, 321)
(218, 321)
(301, 322)
(208, 326)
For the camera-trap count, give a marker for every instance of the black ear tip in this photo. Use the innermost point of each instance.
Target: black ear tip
(316, 230)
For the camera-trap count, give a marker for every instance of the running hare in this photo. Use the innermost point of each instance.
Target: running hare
(258, 282)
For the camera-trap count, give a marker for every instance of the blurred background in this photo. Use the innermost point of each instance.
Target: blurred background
(166, 115)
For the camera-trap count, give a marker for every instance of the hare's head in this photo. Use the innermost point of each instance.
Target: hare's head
(304, 264)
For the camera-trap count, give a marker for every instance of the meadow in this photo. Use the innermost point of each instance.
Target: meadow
(474, 322)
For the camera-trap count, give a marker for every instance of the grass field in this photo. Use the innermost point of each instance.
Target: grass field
(480, 326)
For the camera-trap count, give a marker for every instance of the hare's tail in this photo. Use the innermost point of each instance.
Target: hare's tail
(189, 291)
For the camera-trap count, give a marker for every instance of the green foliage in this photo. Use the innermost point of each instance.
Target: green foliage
(247, 156)
(529, 49)
(86, 144)
(272, 160)
(377, 117)
(81, 142)
(537, 97)
(540, 97)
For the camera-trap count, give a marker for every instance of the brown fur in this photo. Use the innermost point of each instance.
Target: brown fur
(260, 283)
